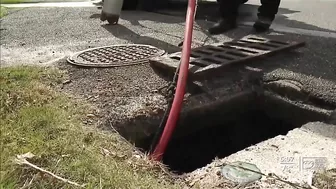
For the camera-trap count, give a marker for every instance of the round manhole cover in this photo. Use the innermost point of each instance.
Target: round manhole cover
(115, 55)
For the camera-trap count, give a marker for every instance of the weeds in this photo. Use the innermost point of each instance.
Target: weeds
(35, 118)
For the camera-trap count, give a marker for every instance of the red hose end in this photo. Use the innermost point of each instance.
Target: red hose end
(156, 156)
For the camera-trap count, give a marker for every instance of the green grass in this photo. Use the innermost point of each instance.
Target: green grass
(35, 118)
(3, 11)
(12, 1)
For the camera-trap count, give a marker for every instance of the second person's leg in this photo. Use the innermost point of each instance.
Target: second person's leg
(266, 14)
(228, 11)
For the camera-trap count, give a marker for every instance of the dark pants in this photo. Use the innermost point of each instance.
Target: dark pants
(229, 8)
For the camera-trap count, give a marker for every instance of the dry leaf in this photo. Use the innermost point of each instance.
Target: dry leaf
(21, 159)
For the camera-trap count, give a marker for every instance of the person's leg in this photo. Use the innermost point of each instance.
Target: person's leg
(228, 11)
(266, 14)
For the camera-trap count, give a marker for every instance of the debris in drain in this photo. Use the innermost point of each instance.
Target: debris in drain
(241, 172)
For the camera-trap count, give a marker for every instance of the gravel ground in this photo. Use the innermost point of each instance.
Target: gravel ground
(120, 95)
(128, 98)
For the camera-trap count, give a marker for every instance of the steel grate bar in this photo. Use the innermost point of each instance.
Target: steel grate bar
(209, 58)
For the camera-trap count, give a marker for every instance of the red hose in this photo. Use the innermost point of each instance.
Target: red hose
(181, 85)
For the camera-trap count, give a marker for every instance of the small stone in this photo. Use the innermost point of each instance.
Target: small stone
(275, 146)
(66, 82)
(105, 152)
(90, 115)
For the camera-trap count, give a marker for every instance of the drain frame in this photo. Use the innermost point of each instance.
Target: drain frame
(207, 60)
(78, 61)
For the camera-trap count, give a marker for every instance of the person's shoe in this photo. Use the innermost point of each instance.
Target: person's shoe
(222, 26)
(100, 3)
(262, 24)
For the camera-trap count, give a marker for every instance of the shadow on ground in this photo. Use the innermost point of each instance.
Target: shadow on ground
(310, 60)
(209, 11)
(125, 33)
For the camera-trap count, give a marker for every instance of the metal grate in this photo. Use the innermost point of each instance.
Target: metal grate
(115, 56)
(215, 56)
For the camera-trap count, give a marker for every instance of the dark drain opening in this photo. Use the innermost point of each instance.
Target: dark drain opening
(227, 127)
(221, 138)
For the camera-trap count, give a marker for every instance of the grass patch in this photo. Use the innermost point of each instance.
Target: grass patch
(11, 1)
(3, 11)
(36, 118)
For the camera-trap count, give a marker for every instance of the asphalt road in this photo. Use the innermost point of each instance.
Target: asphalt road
(306, 14)
(38, 35)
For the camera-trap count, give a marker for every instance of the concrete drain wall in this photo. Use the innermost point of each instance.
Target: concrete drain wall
(230, 125)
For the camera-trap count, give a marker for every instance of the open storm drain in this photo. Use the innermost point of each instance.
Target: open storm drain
(222, 128)
(115, 55)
